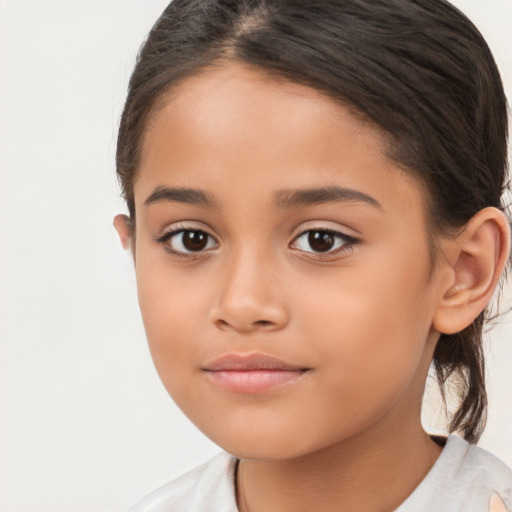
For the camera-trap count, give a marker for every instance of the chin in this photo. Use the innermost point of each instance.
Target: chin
(271, 445)
(273, 451)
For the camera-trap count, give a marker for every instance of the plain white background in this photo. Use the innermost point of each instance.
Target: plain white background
(85, 425)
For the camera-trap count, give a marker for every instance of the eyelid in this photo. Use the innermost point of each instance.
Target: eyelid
(335, 232)
(350, 241)
(177, 227)
(181, 227)
(326, 225)
(169, 234)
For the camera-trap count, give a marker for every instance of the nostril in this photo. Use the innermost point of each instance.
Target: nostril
(222, 323)
(258, 324)
(263, 323)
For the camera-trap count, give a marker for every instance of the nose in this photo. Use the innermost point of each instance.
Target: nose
(250, 297)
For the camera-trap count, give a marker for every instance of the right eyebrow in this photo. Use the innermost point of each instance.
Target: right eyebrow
(181, 195)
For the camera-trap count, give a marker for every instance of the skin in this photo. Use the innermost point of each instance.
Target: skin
(363, 319)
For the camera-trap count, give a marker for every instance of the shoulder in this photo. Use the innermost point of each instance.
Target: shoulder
(479, 466)
(465, 478)
(209, 487)
(487, 475)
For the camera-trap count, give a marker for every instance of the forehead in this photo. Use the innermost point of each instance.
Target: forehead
(238, 126)
(232, 102)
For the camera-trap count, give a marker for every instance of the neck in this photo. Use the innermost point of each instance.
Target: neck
(360, 474)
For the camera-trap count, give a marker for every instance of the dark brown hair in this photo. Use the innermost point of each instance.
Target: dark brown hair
(417, 69)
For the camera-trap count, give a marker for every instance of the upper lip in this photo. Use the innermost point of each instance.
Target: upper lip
(250, 362)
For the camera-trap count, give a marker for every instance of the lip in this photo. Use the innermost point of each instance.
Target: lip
(252, 373)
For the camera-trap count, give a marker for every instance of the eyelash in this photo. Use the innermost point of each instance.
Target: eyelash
(347, 242)
(167, 237)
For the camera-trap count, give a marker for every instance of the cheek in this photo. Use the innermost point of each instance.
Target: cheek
(377, 294)
(371, 321)
(173, 310)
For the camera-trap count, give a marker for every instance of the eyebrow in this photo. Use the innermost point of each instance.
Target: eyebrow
(315, 196)
(181, 195)
(283, 198)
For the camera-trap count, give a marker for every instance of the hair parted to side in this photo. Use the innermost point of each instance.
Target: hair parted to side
(417, 69)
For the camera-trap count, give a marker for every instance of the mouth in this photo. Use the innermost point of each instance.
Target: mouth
(252, 373)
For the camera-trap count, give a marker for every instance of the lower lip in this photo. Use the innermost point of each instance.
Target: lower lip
(254, 381)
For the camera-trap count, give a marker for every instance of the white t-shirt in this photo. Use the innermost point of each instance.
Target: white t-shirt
(465, 478)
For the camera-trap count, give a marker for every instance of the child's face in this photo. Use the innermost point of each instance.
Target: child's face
(298, 240)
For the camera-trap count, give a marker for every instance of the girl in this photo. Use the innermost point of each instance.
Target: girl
(314, 194)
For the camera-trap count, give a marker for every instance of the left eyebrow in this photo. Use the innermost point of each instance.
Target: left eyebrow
(316, 196)
(181, 195)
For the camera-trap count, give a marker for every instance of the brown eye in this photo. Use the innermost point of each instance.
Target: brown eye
(318, 241)
(187, 241)
(321, 241)
(194, 240)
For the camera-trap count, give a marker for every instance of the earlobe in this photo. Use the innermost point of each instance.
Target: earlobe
(123, 227)
(480, 254)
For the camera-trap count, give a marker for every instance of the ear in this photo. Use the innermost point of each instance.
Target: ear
(124, 229)
(476, 260)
